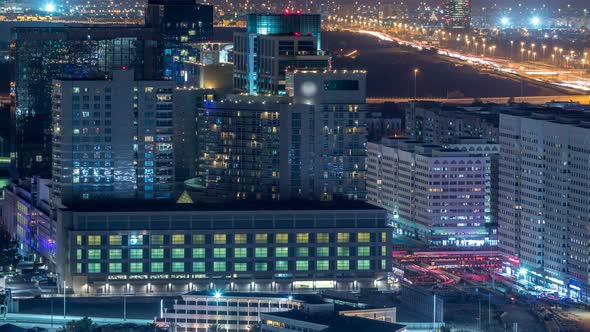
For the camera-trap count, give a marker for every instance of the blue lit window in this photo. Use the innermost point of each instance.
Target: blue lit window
(148, 155)
(149, 179)
(148, 195)
(149, 188)
(149, 163)
(149, 171)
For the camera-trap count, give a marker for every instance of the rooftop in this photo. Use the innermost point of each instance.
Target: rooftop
(171, 205)
(339, 323)
(307, 298)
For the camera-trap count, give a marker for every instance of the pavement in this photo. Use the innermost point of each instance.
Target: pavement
(55, 322)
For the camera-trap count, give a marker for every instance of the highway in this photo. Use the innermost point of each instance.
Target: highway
(577, 80)
(582, 99)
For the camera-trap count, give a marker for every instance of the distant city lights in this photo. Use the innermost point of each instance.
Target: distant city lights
(505, 21)
(50, 7)
(536, 21)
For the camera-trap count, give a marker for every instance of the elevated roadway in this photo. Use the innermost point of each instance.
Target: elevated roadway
(582, 99)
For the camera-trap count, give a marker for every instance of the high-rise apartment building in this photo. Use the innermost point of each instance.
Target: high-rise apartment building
(432, 122)
(44, 54)
(544, 199)
(272, 44)
(182, 24)
(112, 139)
(457, 15)
(432, 193)
(310, 144)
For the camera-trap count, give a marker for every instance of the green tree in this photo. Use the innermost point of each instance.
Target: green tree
(9, 255)
(83, 325)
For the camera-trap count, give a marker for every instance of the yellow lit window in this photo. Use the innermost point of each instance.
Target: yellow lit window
(178, 239)
(322, 238)
(198, 238)
(282, 238)
(240, 238)
(219, 239)
(157, 240)
(115, 240)
(363, 237)
(262, 238)
(79, 240)
(383, 237)
(343, 237)
(94, 240)
(302, 238)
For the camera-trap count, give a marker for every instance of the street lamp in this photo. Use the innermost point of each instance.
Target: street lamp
(416, 83)
(511, 47)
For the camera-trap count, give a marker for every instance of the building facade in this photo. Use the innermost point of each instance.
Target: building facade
(432, 193)
(543, 201)
(112, 139)
(199, 311)
(431, 122)
(272, 44)
(44, 54)
(182, 24)
(280, 247)
(309, 145)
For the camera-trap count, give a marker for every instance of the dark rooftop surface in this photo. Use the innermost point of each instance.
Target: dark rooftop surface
(339, 323)
(224, 296)
(171, 205)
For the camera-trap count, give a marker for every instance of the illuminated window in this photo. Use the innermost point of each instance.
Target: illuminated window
(240, 252)
(343, 237)
(79, 240)
(219, 239)
(282, 266)
(219, 266)
(343, 251)
(157, 267)
(302, 252)
(383, 265)
(219, 252)
(78, 267)
(157, 253)
(178, 239)
(364, 251)
(261, 238)
(343, 265)
(322, 252)
(115, 267)
(301, 265)
(240, 267)
(383, 237)
(282, 252)
(383, 251)
(94, 268)
(198, 238)
(363, 264)
(240, 238)
(78, 254)
(198, 252)
(177, 252)
(94, 240)
(93, 253)
(261, 267)
(136, 267)
(135, 240)
(157, 240)
(115, 254)
(322, 265)
(282, 238)
(199, 267)
(177, 266)
(261, 252)
(363, 237)
(136, 253)
(115, 240)
(302, 237)
(322, 238)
